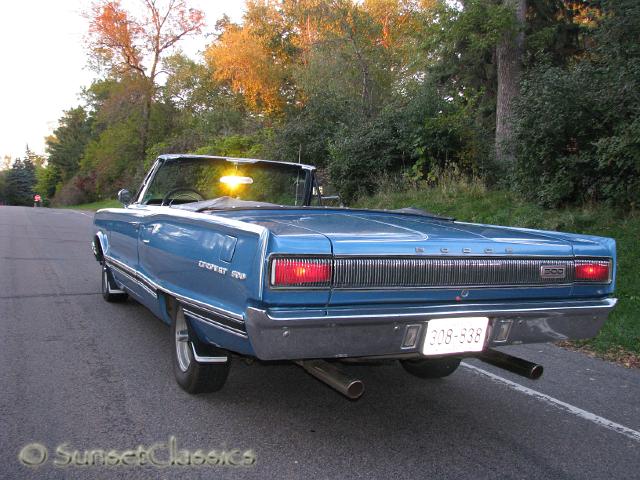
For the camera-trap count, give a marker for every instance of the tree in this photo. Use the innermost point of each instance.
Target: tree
(205, 107)
(20, 181)
(129, 45)
(509, 62)
(578, 125)
(262, 58)
(3, 186)
(67, 143)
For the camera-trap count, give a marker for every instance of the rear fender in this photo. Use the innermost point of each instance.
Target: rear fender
(99, 246)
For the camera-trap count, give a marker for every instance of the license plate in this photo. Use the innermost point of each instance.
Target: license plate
(455, 335)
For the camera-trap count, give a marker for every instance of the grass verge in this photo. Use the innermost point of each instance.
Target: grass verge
(619, 339)
(96, 205)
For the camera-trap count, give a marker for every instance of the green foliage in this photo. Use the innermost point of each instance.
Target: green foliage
(373, 89)
(423, 133)
(458, 51)
(114, 159)
(558, 30)
(20, 181)
(3, 186)
(233, 146)
(205, 107)
(67, 144)
(93, 206)
(473, 30)
(47, 179)
(578, 127)
(332, 104)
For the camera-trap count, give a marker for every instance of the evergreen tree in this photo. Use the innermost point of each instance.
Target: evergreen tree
(20, 182)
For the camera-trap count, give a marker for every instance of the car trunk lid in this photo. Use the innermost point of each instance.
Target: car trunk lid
(381, 257)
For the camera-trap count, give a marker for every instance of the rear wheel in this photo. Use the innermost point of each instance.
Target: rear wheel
(194, 376)
(431, 367)
(110, 291)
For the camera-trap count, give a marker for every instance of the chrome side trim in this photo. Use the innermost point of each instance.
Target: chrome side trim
(150, 284)
(205, 306)
(234, 321)
(152, 210)
(149, 291)
(123, 272)
(213, 322)
(264, 243)
(200, 359)
(122, 266)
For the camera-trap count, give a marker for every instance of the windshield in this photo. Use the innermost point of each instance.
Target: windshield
(189, 180)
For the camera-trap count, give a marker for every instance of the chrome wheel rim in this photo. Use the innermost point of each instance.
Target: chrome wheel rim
(182, 347)
(105, 281)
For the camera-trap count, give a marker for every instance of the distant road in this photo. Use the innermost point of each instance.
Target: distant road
(77, 370)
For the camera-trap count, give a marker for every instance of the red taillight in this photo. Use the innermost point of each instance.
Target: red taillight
(592, 271)
(305, 272)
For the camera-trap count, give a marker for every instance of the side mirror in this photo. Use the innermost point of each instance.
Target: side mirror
(124, 197)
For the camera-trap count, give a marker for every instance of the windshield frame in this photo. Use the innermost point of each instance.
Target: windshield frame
(307, 170)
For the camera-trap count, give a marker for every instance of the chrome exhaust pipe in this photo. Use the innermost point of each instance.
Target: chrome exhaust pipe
(334, 377)
(527, 369)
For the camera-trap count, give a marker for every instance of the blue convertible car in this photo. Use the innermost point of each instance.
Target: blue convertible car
(240, 257)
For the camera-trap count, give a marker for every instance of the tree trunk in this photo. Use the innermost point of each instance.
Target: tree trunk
(144, 135)
(509, 56)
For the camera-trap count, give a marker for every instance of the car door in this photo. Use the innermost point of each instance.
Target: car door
(124, 226)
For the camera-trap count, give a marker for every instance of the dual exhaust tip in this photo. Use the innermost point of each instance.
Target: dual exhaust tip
(525, 368)
(353, 388)
(328, 373)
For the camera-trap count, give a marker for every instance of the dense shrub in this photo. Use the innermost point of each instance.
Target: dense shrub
(578, 128)
(422, 135)
(79, 189)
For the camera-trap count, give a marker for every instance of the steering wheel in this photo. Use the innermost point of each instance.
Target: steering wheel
(186, 190)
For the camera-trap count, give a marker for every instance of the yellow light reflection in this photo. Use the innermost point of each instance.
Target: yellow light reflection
(233, 181)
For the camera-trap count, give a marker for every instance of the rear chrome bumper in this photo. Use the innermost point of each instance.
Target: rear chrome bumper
(285, 334)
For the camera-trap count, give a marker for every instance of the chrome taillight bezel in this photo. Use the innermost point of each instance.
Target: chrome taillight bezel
(601, 261)
(325, 260)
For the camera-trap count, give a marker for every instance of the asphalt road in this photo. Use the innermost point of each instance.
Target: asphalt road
(80, 374)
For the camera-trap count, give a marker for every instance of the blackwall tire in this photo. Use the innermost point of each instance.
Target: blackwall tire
(431, 367)
(195, 377)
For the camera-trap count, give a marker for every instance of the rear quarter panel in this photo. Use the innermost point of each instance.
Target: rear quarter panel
(202, 258)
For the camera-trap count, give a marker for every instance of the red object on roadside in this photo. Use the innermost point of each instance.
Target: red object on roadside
(37, 198)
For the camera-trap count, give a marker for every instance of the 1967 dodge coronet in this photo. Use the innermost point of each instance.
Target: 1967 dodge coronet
(239, 256)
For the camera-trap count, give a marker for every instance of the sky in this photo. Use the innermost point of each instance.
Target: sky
(43, 64)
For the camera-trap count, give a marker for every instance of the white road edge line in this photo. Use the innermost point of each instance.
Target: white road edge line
(592, 417)
(82, 213)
